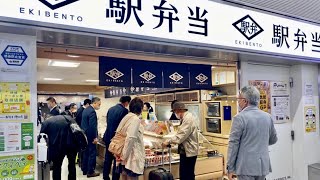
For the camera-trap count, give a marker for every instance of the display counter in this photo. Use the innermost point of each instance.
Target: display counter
(209, 164)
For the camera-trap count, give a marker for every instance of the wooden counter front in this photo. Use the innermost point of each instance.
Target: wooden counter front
(206, 168)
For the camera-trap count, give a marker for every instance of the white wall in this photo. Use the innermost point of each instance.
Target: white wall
(306, 146)
(280, 153)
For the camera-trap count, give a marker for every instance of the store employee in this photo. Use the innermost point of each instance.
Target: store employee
(187, 139)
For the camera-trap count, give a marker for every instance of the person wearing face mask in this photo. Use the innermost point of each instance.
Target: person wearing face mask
(187, 140)
(52, 105)
(71, 110)
(252, 132)
(90, 126)
(114, 116)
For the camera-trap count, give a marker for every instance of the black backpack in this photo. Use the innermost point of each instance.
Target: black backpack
(80, 138)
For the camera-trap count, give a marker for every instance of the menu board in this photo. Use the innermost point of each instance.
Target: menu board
(14, 101)
(18, 167)
(16, 137)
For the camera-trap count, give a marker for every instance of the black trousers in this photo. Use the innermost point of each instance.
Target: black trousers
(108, 161)
(89, 160)
(187, 165)
(57, 163)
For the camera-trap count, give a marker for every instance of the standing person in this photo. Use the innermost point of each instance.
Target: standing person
(52, 105)
(188, 141)
(61, 144)
(251, 133)
(71, 110)
(133, 155)
(114, 116)
(86, 103)
(147, 107)
(90, 126)
(173, 115)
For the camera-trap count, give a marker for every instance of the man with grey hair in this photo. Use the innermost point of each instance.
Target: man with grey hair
(251, 133)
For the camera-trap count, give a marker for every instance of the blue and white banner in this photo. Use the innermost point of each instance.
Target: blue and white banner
(147, 74)
(200, 76)
(176, 75)
(114, 72)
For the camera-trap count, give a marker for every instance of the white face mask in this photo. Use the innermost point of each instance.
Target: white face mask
(177, 115)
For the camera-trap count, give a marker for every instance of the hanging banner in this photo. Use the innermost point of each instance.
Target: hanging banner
(176, 75)
(14, 101)
(147, 74)
(114, 72)
(200, 76)
(18, 167)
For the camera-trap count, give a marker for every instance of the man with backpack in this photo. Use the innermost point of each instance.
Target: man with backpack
(62, 142)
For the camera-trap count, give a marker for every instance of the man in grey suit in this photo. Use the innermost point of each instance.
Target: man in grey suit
(251, 133)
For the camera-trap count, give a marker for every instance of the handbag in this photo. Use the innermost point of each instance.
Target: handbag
(117, 142)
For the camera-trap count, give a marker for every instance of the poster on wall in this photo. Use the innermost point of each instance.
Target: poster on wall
(308, 93)
(310, 119)
(18, 167)
(280, 101)
(14, 101)
(264, 88)
(16, 137)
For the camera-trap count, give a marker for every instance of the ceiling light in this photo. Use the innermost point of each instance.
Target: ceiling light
(52, 79)
(63, 64)
(213, 67)
(73, 56)
(91, 80)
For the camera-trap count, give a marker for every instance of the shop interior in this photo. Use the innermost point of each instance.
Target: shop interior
(71, 75)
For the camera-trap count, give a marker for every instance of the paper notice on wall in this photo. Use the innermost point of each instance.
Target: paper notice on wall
(310, 119)
(308, 93)
(14, 102)
(18, 167)
(280, 102)
(16, 137)
(264, 89)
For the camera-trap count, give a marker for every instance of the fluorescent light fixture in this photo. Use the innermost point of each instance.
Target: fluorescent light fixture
(52, 79)
(73, 56)
(92, 80)
(63, 64)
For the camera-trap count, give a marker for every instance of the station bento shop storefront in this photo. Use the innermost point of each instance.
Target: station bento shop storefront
(269, 49)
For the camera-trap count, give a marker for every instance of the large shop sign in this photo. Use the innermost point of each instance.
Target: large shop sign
(134, 73)
(205, 22)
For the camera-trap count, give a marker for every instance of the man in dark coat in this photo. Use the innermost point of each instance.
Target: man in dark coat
(52, 105)
(90, 126)
(61, 143)
(86, 104)
(114, 116)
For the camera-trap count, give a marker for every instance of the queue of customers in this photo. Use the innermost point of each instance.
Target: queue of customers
(124, 118)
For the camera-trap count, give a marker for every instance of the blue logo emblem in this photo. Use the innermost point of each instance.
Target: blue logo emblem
(14, 55)
(55, 4)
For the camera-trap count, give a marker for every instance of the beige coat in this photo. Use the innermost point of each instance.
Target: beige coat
(187, 135)
(133, 153)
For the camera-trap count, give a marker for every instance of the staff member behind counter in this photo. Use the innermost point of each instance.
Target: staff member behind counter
(187, 139)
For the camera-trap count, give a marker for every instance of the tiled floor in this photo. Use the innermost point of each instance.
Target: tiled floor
(79, 172)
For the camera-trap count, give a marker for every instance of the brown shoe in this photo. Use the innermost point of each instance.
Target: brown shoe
(93, 175)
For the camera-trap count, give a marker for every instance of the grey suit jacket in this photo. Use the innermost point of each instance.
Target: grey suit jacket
(251, 133)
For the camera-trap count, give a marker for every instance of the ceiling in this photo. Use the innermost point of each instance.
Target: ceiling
(72, 76)
(304, 9)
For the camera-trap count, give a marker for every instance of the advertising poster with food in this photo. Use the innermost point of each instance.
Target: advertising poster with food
(14, 101)
(264, 88)
(18, 167)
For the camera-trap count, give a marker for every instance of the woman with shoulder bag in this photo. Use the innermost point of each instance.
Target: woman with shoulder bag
(132, 158)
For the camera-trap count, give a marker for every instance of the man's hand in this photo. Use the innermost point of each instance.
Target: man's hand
(165, 144)
(230, 176)
(95, 141)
